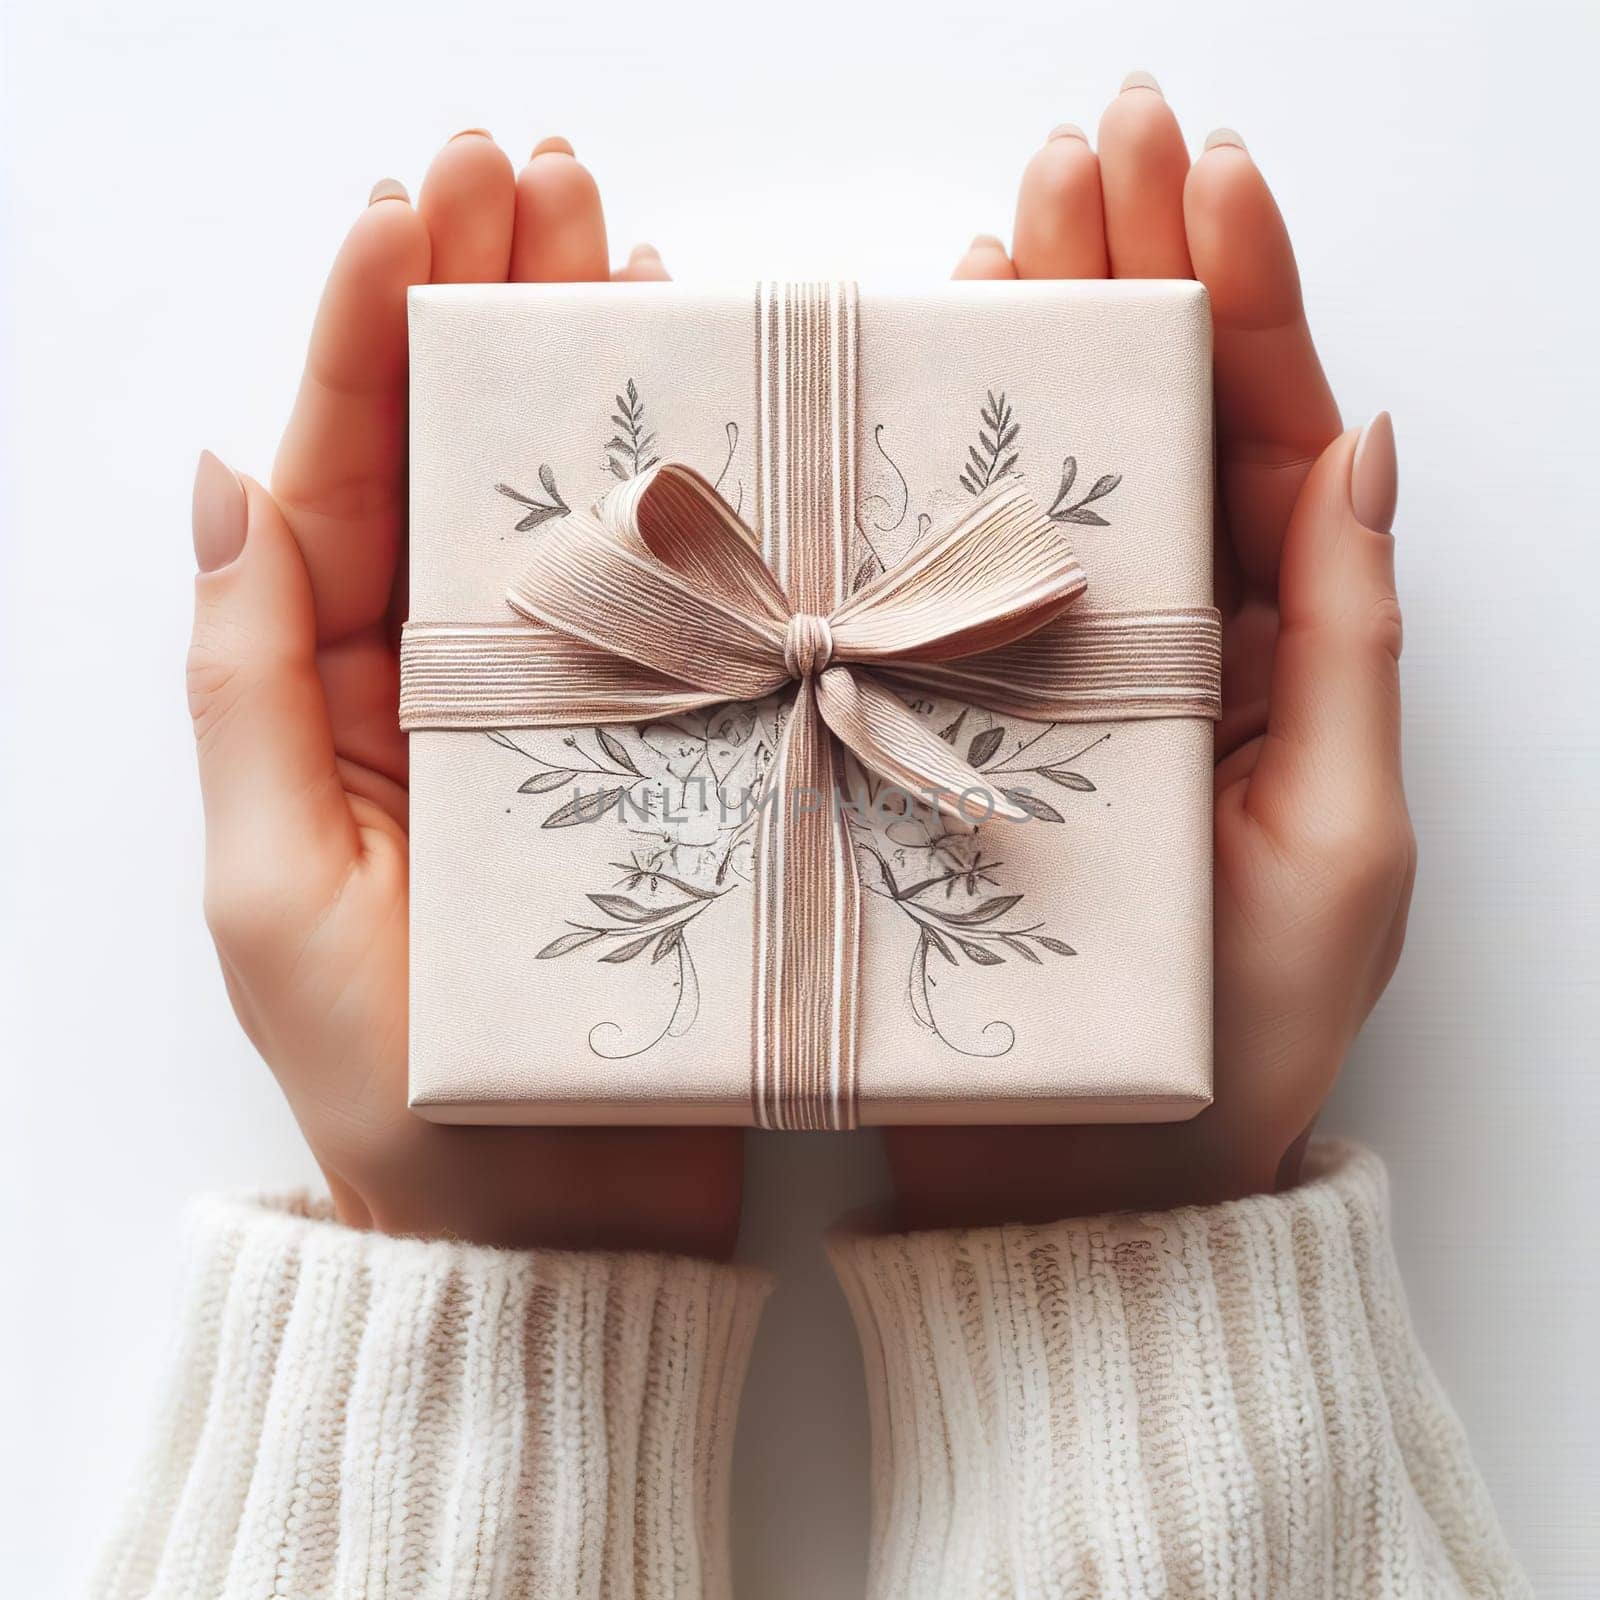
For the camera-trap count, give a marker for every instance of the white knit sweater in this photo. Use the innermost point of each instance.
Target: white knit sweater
(1192, 1405)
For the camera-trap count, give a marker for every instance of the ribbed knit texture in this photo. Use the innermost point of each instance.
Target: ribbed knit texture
(1193, 1405)
(355, 1416)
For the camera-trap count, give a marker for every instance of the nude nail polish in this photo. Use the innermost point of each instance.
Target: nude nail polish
(1067, 130)
(986, 241)
(1225, 136)
(220, 514)
(469, 133)
(1139, 80)
(387, 189)
(553, 145)
(1375, 475)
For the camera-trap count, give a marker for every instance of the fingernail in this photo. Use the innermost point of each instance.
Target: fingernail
(986, 241)
(1067, 130)
(648, 251)
(471, 133)
(1375, 475)
(1139, 80)
(1221, 136)
(555, 144)
(387, 189)
(220, 516)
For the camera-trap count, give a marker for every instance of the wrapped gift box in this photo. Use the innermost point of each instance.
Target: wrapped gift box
(584, 898)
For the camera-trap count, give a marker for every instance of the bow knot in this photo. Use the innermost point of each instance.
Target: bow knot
(807, 645)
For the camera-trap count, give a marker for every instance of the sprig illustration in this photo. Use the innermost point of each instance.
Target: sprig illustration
(630, 450)
(1064, 509)
(992, 457)
(537, 510)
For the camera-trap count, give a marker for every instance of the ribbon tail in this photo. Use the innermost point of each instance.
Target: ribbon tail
(807, 935)
(874, 723)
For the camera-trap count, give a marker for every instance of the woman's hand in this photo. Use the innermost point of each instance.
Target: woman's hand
(293, 683)
(1314, 850)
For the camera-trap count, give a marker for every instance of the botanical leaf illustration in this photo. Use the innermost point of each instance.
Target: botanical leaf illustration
(582, 808)
(981, 955)
(608, 742)
(1065, 509)
(1036, 808)
(626, 952)
(984, 745)
(884, 871)
(992, 457)
(538, 510)
(575, 940)
(1067, 780)
(630, 450)
(544, 782)
(626, 910)
(984, 911)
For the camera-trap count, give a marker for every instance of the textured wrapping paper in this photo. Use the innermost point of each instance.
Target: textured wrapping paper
(583, 900)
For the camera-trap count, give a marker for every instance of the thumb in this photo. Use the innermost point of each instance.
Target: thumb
(1330, 764)
(279, 832)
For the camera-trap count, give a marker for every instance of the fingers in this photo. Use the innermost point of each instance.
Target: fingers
(1329, 768)
(467, 203)
(1143, 165)
(277, 821)
(340, 475)
(559, 235)
(644, 265)
(1275, 411)
(985, 258)
(1060, 230)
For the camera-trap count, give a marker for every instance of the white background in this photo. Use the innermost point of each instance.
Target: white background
(177, 176)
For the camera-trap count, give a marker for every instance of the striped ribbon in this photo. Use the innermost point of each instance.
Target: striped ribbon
(664, 601)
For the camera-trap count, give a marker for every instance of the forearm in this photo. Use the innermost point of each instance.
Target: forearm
(356, 1415)
(1211, 1402)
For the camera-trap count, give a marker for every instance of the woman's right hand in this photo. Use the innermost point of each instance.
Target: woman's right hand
(293, 688)
(1315, 855)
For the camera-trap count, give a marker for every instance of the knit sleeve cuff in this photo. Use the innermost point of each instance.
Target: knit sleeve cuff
(357, 1415)
(1214, 1401)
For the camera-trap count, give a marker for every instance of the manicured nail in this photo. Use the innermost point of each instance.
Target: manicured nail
(1221, 136)
(387, 189)
(1139, 80)
(1375, 475)
(1068, 130)
(555, 144)
(647, 252)
(986, 241)
(471, 133)
(220, 516)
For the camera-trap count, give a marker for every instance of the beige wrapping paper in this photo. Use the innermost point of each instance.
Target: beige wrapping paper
(582, 906)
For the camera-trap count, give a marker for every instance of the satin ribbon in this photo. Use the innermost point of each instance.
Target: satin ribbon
(661, 602)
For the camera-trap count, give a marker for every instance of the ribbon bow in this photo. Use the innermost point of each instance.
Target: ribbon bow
(660, 602)
(666, 577)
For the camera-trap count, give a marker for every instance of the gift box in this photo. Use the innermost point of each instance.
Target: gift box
(810, 700)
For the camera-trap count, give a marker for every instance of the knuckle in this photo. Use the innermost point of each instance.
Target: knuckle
(1384, 626)
(213, 680)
